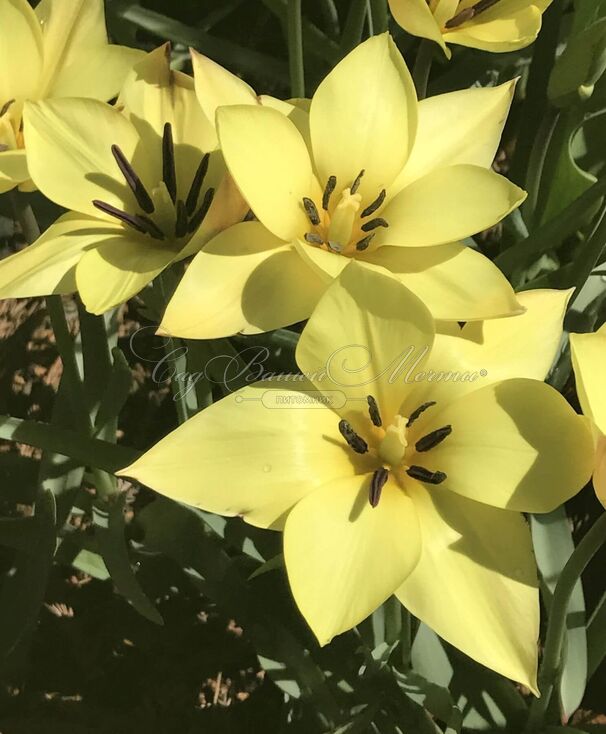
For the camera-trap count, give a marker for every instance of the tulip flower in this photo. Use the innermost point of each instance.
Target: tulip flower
(490, 25)
(370, 174)
(588, 361)
(386, 478)
(144, 181)
(60, 49)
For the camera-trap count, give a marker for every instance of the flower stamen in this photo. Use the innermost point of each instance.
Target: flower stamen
(416, 413)
(196, 185)
(330, 187)
(356, 184)
(169, 173)
(433, 439)
(181, 222)
(357, 443)
(136, 221)
(376, 486)
(311, 211)
(372, 208)
(470, 13)
(373, 224)
(132, 179)
(199, 216)
(362, 244)
(373, 409)
(313, 238)
(6, 107)
(424, 475)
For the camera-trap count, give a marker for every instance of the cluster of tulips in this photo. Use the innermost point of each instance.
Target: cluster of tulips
(401, 459)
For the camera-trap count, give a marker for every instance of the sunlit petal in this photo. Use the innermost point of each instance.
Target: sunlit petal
(364, 116)
(344, 558)
(515, 444)
(20, 51)
(257, 459)
(245, 280)
(476, 581)
(455, 282)
(270, 163)
(363, 326)
(446, 205)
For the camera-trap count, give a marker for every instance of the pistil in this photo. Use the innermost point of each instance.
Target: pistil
(342, 220)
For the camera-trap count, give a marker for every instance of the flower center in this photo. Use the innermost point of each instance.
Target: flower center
(393, 446)
(172, 218)
(346, 230)
(469, 13)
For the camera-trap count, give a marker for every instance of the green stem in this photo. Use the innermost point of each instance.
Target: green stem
(295, 49)
(25, 216)
(556, 628)
(422, 67)
(533, 109)
(536, 166)
(354, 26)
(379, 15)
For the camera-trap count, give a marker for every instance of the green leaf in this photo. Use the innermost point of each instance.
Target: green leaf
(110, 534)
(117, 388)
(580, 66)
(553, 544)
(221, 50)
(88, 451)
(596, 637)
(552, 234)
(24, 586)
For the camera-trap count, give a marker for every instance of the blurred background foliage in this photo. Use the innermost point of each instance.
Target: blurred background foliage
(152, 617)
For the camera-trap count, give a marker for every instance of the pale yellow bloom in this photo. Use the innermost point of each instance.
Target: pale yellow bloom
(393, 481)
(490, 25)
(368, 174)
(589, 362)
(145, 183)
(60, 49)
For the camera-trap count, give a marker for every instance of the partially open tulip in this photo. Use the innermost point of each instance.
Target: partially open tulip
(370, 174)
(60, 49)
(490, 25)
(386, 478)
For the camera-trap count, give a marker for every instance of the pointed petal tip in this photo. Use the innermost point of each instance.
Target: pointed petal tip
(162, 331)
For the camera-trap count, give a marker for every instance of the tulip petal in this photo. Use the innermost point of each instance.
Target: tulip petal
(216, 87)
(530, 343)
(118, 269)
(458, 127)
(364, 116)
(416, 18)
(244, 280)
(589, 360)
(78, 61)
(446, 205)
(153, 95)
(344, 558)
(516, 444)
(599, 472)
(249, 455)
(269, 162)
(48, 265)
(70, 165)
(506, 27)
(13, 169)
(20, 51)
(476, 581)
(363, 326)
(455, 282)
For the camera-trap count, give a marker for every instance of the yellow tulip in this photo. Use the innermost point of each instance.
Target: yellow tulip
(588, 361)
(60, 49)
(490, 25)
(388, 480)
(144, 181)
(368, 174)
